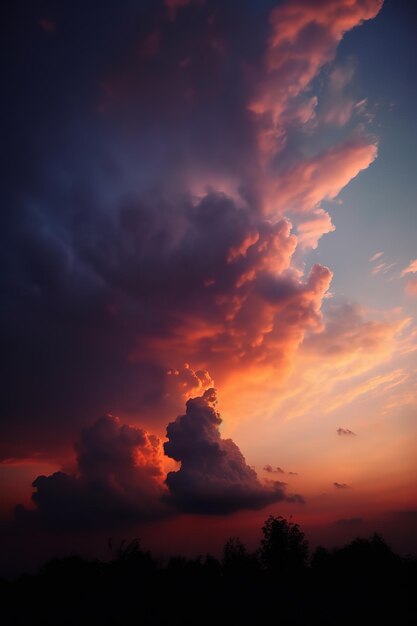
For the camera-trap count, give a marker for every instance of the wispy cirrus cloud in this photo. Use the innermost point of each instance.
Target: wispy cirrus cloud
(375, 257)
(382, 267)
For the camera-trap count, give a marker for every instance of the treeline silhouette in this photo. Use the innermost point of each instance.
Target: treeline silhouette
(364, 582)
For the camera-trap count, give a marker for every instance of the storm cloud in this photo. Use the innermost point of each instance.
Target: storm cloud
(214, 477)
(119, 479)
(155, 211)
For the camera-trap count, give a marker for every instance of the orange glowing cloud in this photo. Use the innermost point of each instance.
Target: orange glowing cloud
(351, 358)
(206, 270)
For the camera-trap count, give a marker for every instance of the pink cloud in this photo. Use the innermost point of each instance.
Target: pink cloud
(304, 37)
(347, 333)
(263, 315)
(411, 287)
(322, 177)
(410, 269)
(190, 266)
(317, 224)
(339, 113)
(382, 268)
(338, 105)
(375, 257)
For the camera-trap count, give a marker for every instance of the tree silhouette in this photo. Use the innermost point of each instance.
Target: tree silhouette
(284, 549)
(364, 578)
(237, 561)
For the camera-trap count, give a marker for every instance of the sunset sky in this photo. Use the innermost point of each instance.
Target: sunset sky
(208, 202)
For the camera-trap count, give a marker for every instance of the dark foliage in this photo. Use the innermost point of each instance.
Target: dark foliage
(284, 549)
(363, 582)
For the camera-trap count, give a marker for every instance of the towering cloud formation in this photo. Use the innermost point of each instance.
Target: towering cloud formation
(304, 37)
(214, 476)
(165, 222)
(120, 477)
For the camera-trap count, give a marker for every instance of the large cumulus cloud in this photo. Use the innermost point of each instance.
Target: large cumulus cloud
(155, 212)
(119, 479)
(120, 476)
(214, 477)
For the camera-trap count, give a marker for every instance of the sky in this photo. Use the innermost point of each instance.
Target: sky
(208, 272)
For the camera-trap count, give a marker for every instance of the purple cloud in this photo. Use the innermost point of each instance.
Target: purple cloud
(214, 477)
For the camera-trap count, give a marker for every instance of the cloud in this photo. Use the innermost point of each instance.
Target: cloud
(348, 334)
(375, 257)
(186, 382)
(157, 244)
(411, 287)
(345, 431)
(338, 105)
(341, 485)
(119, 479)
(410, 269)
(322, 177)
(382, 268)
(214, 477)
(351, 359)
(313, 228)
(277, 470)
(303, 38)
(411, 284)
(271, 470)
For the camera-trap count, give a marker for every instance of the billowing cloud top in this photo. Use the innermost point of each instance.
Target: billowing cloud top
(120, 477)
(157, 211)
(214, 477)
